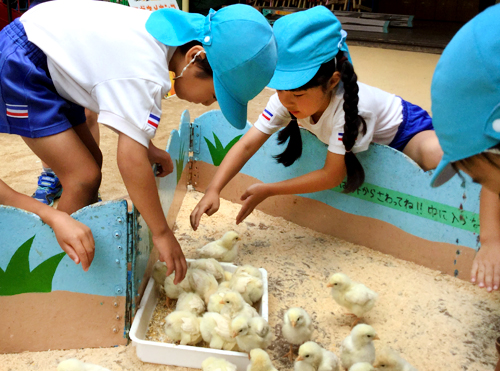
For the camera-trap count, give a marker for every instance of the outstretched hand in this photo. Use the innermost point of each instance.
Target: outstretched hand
(253, 196)
(209, 205)
(486, 267)
(171, 253)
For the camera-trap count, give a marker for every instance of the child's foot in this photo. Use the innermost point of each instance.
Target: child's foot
(49, 188)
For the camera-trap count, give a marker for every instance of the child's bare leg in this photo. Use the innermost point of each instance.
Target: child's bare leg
(424, 149)
(76, 159)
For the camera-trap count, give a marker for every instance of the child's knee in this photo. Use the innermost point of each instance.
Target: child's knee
(84, 182)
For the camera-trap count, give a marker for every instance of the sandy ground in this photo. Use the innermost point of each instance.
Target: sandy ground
(437, 322)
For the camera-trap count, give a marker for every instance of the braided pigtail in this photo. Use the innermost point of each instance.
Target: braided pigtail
(293, 149)
(353, 123)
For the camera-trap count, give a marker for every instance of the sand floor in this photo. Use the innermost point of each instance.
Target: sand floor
(436, 321)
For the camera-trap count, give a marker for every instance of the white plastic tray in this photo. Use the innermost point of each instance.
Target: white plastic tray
(183, 355)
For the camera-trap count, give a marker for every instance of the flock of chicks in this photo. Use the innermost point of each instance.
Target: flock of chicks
(230, 321)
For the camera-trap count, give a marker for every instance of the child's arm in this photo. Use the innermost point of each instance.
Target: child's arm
(486, 265)
(134, 162)
(235, 159)
(330, 176)
(74, 237)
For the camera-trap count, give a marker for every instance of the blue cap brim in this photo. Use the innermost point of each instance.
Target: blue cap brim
(288, 80)
(233, 111)
(443, 173)
(174, 27)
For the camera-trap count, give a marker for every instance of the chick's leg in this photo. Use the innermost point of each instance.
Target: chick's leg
(289, 354)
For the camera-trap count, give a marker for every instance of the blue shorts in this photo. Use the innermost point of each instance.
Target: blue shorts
(415, 120)
(29, 103)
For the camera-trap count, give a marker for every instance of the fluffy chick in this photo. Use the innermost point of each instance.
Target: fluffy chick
(214, 301)
(216, 331)
(354, 296)
(217, 364)
(159, 272)
(184, 327)
(224, 249)
(260, 361)
(73, 364)
(172, 290)
(211, 266)
(312, 357)
(362, 366)
(297, 328)
(203, 283)
(358, 346)
(233, 305)
(251, 333)
(190, 302)
(250, 286)
(390, 360)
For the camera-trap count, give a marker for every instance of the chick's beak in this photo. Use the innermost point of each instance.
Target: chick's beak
(294, 323)
(299, 358)
(376, 337)
(222, 302)
(329, 285)
(234, 334)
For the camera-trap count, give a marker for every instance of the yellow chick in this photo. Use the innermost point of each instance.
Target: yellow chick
(224, 249)
(355, 297)
(250, 286)
(390, 360)
(214, 301)
(233, 305)
(216, 331)
(183, 327)
(358, 346)
(227, 276)
(159, 272)
(297, 328)
(190, 302)
(73, 364)
(312, 357)
(203, 283)
(217, 364)
(251, 333)
(260, 361)
(172, 290)
(211, 266)
(362, 366)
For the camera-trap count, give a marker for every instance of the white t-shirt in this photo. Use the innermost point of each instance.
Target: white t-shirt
(102, 58)
(382, 111)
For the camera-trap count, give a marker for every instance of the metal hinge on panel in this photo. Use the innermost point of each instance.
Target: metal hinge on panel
(194, 140)
(131, 244)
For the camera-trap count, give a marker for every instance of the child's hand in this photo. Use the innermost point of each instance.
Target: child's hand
(162, 159)
(209, 204)
(171, 253)
(486, 266)
(253, 196)
(74, 238)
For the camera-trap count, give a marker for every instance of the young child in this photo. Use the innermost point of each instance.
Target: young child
(318, 89)
(62, 56)
(74, 237)
(466, 111)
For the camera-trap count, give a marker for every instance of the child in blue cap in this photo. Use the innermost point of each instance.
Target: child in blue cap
(54, 62)
(466, 112)
(317, 89)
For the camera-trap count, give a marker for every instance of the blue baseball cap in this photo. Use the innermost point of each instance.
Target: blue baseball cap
(306, 40)
(465, 93)
(240, 47)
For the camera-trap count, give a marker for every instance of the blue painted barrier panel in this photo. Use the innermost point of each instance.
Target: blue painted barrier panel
(396, 190)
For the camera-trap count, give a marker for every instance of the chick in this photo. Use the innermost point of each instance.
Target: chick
(227, 276)
(159, 272)
(355, 297)
(358, 346)
(217, 364)
(190, 302)
(251, 287)
(251, 333)
(362, 366)
(389, 360)
(172, 290)
(203, 283)
(184, 327)
(233, 305)
(312, 357)
(214, 301)
(260, 361)
(297, 328)
(248, 269)
(211, 266)
(224, 249)
(73, 364)
(216, 331)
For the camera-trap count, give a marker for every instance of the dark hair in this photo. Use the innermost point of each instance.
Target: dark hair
(352, 126)
(469, 162)
(206, 69)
